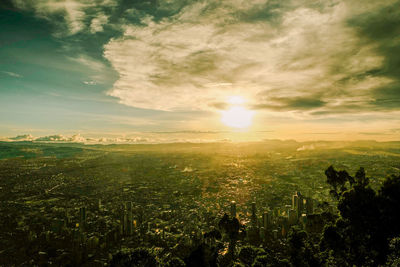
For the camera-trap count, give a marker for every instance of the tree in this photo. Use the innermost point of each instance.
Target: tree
(337, 180)
(394, 249)
(202, 256)
(270, 261)
(367, 220)
(248, 254)
(301, 249)
(390, 197)
(175, 262)
(230, 227)
(140, 257)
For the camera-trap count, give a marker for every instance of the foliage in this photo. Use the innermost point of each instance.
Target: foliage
(248, 254)
(301, 248)
(230, 228)
(175, 262)
(367, 220)
(203, 255)
(140, 257)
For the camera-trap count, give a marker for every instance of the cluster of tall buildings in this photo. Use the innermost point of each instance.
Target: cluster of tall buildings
(263, 225)
(126, 220)
(276, 222)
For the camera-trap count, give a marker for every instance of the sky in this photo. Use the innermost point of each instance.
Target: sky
(177, 69)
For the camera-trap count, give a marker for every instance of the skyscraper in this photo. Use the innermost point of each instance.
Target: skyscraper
(233, 209)
(254, 222)
(294, 201)
(129, 219)
(266, 220)
(300, 204)
(309, 205)
(82, 218)
(292, 216)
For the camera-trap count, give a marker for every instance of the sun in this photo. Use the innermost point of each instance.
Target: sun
(237, 116)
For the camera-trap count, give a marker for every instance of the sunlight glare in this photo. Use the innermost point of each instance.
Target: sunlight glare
(236, 100)
(237, 117)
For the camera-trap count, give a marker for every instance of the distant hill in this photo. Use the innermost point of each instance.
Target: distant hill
(32, 150)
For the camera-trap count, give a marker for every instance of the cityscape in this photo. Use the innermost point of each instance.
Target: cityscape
(200, 133)
(84, 204)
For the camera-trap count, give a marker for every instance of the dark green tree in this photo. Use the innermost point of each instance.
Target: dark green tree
(390, 197)
(139, 257)
(301, 249)
(337, 179)
(367, 221)
(175, 262)
(230, 227)
(248, 254)
(394, 252)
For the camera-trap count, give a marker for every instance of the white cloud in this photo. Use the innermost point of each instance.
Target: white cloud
(170, 65)
(77, 138)
(12, 74)
(24, 137)
(306, 147)
(97, 23)
(89, 82)
(297, 56)
(53, 138)
(73, 12)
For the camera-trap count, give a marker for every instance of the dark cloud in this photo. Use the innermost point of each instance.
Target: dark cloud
(219, 105)
(381, 28)
(291, 103)
(270, 11)
(373, 133)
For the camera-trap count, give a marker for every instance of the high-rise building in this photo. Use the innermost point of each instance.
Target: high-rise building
(67, 217)
(262, 233)
(300, 204)
(284, 231)
(271, 217)
(309, 205)
(303, 220)
(266, 220)
(122, 226)
(277, 212)
(233, 209)
(129, 219)
(292, 216)
(82, 214)
(82, 218)
(275, 234)
(254, 222)
(294, 201)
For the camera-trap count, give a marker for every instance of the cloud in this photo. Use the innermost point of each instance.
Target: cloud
(306, 147)
(187, 169)
(24, 137)
(70, 16)
(281, 56)
(57, 138)
(291, 103)
(70, 11)
(97, 23)
(373, 133)
(89, 82)
(137, 138)
(12, 74)
(77, 138)
(304, 57)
